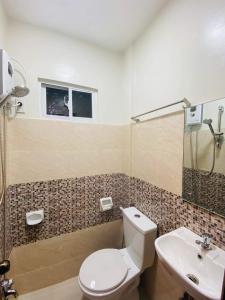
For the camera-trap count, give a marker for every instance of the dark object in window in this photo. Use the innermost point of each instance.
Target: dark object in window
(56, 101)
(82, 104)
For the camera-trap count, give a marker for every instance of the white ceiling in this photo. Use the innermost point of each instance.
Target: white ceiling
(112, 24)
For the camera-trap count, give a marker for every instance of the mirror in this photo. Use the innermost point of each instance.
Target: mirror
(204, 156)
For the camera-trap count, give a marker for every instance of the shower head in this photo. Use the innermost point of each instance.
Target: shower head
(209, 123)
(20, 91)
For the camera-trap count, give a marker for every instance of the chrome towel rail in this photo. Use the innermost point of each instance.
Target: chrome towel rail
(185, 101)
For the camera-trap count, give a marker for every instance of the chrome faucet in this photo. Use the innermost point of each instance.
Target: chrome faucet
(205, 243)
(6, 285)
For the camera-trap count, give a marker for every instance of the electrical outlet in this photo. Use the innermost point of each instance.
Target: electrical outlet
(20, 109)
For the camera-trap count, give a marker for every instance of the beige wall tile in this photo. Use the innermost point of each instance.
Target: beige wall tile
(46, 149)
(66, 290)
(198, 151)
(50, 261)
(46, 276)
(157, 151)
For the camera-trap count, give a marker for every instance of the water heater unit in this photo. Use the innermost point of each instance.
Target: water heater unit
(194, 115)
(6, 75)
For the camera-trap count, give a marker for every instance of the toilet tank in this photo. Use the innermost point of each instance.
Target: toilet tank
(139, 236)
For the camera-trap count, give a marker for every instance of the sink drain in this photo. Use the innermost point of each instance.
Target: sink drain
(193, 278)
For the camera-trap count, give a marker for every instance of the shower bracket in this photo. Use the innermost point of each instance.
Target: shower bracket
(219, 138)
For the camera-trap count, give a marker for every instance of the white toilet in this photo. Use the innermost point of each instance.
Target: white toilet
(114, 274)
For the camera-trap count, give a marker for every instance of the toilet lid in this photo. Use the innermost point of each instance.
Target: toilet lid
(103, 270)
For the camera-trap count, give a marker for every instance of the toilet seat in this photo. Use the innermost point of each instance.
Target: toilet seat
(103, 270)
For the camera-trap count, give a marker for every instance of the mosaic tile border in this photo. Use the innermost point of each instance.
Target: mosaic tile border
(5, 242)
(169, 211)
(206, 191)
(69, 205)
(73, 204)
(2, 230)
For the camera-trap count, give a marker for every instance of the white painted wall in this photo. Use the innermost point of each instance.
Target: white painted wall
(54, 56)
(2, 26)
(181, 54)
(210, 111)
(113, 24)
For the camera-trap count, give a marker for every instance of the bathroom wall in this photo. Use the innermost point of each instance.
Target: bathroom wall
(157, 151)
(3, 22)
(201, 137)
(69, 205)
(181, 54)
(168, 62)
(169, 212)
(50, 162)
(204, 151)
(54, 56)
(40, 150)
(64, 168)
(207, 191)
(156, 182)
(50, 261)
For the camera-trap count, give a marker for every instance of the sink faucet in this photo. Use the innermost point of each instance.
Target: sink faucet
(205, 243)
(6, 285)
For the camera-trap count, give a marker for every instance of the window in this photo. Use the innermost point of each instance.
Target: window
(68, 103)
(82, 104)
(57, 101)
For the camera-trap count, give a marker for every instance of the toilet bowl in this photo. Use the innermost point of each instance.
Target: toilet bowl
(112, 274)
(107, 273)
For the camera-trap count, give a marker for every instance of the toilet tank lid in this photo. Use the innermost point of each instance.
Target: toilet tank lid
(139, 220)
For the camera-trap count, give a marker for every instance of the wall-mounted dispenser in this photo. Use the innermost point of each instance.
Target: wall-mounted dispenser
(106, 204)
(34, 217)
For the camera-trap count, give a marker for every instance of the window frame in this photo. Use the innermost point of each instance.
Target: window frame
(71, 88)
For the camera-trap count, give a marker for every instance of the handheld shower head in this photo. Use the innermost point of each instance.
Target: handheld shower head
(209, 123)
(20, 91)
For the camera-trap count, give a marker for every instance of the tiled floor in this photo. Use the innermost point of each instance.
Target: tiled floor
(66, 290)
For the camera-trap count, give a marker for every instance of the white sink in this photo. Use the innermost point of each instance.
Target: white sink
(182, 257)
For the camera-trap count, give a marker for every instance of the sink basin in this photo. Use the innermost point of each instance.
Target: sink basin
(199, 271)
